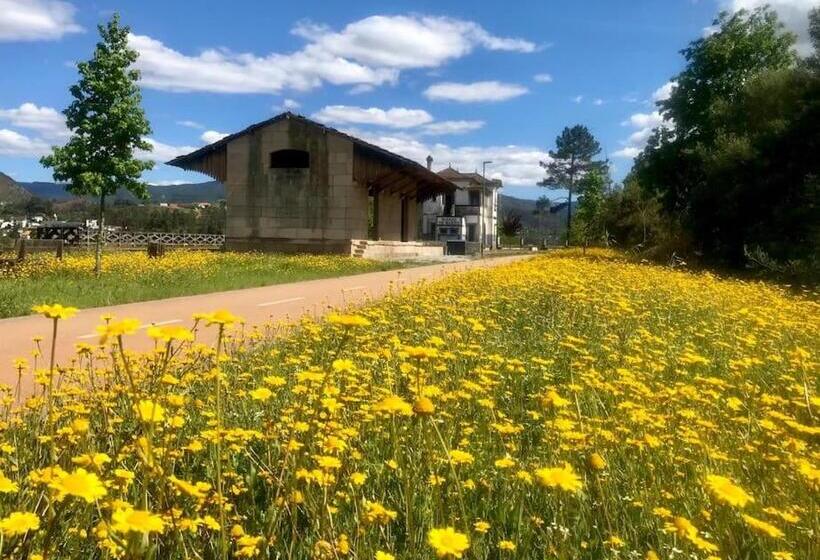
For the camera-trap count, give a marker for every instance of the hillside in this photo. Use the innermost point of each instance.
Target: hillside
(555, 219)
(521, 206)
(11, 191)
(213, 191)
(210, 191)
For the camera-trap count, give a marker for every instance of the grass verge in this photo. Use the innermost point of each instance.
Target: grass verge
(132, 276)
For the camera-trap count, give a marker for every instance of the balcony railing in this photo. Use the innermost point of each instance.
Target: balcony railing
(455, 221)
(467, 210)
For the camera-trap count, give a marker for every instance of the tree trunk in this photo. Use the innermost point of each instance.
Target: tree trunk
(569, 215)
(100, 233)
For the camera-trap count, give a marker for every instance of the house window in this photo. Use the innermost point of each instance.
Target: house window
(471, 229)
(475, 198)
(290, 159)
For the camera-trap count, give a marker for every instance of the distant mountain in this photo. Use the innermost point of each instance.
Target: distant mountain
(11, 191)
(513, 205)
(210, 191)
(213, 191)
(554, 219)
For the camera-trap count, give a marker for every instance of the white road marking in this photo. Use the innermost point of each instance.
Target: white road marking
(279, 301)
(157, 324)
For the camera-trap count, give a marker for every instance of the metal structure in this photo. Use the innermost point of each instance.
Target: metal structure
(481, 207)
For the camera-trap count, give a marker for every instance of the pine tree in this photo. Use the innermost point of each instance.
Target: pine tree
(572, 158)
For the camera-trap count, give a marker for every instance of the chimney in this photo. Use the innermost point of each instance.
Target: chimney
(429, 162)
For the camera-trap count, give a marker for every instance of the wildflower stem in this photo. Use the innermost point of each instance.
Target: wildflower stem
(223, 548)
(49, 401)
(464, 517)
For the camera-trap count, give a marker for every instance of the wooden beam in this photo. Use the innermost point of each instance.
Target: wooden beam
(402, 185)
(387, 179)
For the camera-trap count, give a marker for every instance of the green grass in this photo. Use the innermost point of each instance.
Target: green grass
(130, 277)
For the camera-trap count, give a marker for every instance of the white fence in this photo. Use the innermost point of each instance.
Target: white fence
(135, 239)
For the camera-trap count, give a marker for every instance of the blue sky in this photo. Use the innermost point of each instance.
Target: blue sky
(464, 81)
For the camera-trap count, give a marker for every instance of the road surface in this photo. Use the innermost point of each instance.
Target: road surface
(281, 302)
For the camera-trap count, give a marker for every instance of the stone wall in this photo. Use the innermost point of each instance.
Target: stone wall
(320, 205)
(315, 209)
(395, 250)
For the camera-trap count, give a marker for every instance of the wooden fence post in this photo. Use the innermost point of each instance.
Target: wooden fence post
(21, 250)
(156, 250)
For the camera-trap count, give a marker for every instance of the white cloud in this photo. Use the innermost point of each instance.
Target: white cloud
(361, 88)
(286, 105)
(191, 124)
(664, 92)
(644, 120)
(514, 165)
(643, 124)
(367, 52)
(710, 30)
(639, 137)
(543, 78)
(211, 136)
(474, 92)
(405, 41)
(161, 153)
(15, 144)
(46, 121)
(168, 182)
(629, 152)
(221, 71)
(34, 20)
(51, 130)
(598, 102)
(577, 98)
(452, 127)
(396, 117)
(793, 13)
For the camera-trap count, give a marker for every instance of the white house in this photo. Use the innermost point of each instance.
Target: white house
(459, 216)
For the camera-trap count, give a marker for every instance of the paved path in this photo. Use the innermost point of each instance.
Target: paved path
(254, 305)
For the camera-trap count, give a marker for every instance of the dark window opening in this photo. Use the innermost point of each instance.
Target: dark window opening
(471, 232)
(290, 159)
(449, 201)
(475, 198)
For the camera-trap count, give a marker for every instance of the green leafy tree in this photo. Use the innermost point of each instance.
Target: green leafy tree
(590, 226)
(632, 216)
(107, 125)
(542, 208)
(511, 224)
(572, 158)
(762, 172)
(681, 163)
(813, 61)
(717, 67)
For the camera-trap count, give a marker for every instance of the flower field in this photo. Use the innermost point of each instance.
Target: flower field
(132, 276)
(564, 406)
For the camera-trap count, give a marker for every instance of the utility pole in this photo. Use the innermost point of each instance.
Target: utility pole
(481, 207)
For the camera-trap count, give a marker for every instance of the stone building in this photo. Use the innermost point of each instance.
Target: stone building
(465, 215)
(295, 185)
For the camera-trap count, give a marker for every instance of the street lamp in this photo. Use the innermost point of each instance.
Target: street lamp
(481, 208)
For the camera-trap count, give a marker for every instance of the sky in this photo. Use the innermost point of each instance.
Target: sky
(465, 82)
